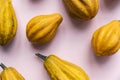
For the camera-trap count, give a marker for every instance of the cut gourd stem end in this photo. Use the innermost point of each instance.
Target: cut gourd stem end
(2, 66)
(41, 56)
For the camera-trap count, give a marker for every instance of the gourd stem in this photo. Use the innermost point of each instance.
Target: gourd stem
(41, 56)
(2, 66)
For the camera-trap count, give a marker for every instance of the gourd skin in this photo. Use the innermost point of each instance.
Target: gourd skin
(106, 39)
(8, 22)
(82, 9)
(62, 70)
(41, 29)
(11, 74)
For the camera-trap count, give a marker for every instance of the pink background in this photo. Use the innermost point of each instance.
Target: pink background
(72, 41)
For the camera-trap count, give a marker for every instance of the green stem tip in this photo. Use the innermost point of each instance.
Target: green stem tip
(41, 56)
(2, 66)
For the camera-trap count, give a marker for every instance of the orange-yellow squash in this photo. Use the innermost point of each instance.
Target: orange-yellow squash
(41, 29)
(10, 73)
(8, 22)
(82, 9)
(62, 70)
(106, 39)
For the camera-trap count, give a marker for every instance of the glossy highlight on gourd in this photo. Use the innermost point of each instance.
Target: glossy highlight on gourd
(8, 22)
(10, 73)
(106, 39)
(62, 70)
(82, 9)
(42, 29)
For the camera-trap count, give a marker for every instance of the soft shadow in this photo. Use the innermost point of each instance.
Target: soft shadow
(36, 1)
(77, 23)
(9, 46)
(101, 60)
(111, 4)
(98, 59)
(40, 47)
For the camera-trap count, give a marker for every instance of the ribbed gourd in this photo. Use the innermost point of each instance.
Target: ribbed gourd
(82, 9)
(10, 73)
(41, 29)
(8, 22)
(106, 39)
(62, 70)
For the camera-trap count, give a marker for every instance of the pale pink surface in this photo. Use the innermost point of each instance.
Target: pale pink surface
(72, 41)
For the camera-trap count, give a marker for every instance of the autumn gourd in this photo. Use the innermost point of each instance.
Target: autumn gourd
(42, 29)
(10, 73)
(106, 39)
(8, 22)
(62, 70)
(82, 9)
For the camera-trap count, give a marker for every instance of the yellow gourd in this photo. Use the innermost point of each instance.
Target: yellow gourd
(10, 73)
(82, 9)
(41, 29)
(106, 39)
(8, 22)
(62, 70)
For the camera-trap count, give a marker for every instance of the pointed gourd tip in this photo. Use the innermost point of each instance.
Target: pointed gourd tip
(36, 54)
(41, 56)
(2, 66)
